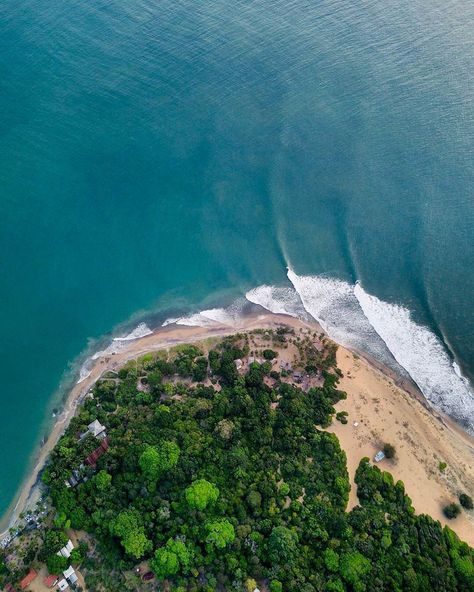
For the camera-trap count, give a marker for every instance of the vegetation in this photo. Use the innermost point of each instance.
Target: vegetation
(466, 501)
(451, 511)
(238, 485)
(388, 450)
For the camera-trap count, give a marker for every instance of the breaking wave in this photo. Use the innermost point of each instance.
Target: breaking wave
(116, 346)
(422, 354)
(141, 330)
(385, 331)
(212, 317)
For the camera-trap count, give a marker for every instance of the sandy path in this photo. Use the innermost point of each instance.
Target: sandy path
(384, 412)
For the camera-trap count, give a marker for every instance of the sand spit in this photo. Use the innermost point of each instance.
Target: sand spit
(383, 411)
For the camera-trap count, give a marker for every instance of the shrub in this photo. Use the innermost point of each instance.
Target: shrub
(269, 354)
(451, 511)
(466, 501)
(342, 416)
(442, 466)
(389, 450)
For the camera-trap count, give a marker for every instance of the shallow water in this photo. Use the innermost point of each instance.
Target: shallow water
(174, 155)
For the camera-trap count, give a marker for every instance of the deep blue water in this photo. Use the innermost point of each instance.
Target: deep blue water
(156, 154)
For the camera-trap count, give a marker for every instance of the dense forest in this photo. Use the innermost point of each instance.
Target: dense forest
(218, 474)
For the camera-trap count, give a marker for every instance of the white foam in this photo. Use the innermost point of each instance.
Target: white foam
(422, 354)
(84, 372)
(141, 330)
(333, 304)
(209, 318)
(279, 300)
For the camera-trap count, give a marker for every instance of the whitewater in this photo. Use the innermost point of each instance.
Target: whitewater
(353, 318)
(385, 331)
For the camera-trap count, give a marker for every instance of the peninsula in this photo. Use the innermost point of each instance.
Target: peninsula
(225, 458)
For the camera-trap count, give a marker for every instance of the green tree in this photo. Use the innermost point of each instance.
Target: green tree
(331, 560)
(154, 461)
(174, 557)
(165, 563)
(466, 501)
(276, 586)
(56, 564)
(200, 494)
(128, 528)
(219, 533)
(102, 480)
(353, 568)
(282, 545)
(451, 511)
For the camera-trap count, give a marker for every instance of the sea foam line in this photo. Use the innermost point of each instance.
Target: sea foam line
(116, 346)
(354, 318)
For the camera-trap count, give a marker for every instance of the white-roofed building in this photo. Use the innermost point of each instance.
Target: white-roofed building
(66, 550)
(63, 585)
(97, 429)
(68, 572)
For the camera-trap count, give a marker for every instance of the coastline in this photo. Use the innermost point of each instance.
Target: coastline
(363, 378)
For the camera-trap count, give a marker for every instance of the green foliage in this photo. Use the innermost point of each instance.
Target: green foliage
(217, 487)
(354, 568)
(102, 481)
(219, 533)
(201, 493)
(451, 511)
(331, 560)
(276, 586)
(155, 460)
(282, 545)
(127, 526)
(269, 354)
(56, 564)
(388, 450)
(466, 501)
(442, 466)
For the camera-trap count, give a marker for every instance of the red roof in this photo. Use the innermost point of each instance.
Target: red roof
(9, 588)
(50, 580)
(26, 581)
(98, 452)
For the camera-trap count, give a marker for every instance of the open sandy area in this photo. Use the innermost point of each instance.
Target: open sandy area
(422, 438)
(383, 411)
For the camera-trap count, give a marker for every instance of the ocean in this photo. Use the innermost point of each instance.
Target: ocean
(158, 159)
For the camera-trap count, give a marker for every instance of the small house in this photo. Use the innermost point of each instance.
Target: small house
(379, 456)
(238, 364)
(50, 581)
(63, 585)
(26, 581)
(66, 550)
(96, 429)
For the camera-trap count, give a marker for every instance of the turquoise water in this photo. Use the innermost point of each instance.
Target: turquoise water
(157, 155)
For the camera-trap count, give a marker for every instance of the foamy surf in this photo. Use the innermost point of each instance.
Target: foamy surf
(278, 300)
(385, 331)
(141, 330)
(422, 354)
(117, 345)
(211, 317)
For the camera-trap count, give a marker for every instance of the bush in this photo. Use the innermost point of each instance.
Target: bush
(451, 511)
(388, 450)
(466, 501)
(276, 586)
(442, 466)
(342, 416)
(269, 354)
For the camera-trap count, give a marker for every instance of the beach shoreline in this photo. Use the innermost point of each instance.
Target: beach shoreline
(406, 396)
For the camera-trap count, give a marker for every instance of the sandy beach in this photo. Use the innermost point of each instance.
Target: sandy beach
(383, 412)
